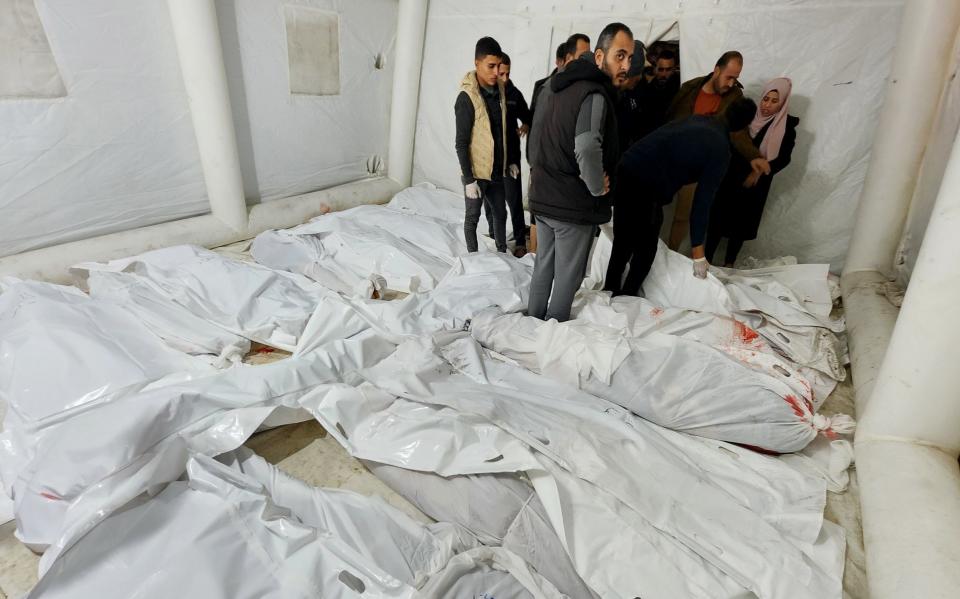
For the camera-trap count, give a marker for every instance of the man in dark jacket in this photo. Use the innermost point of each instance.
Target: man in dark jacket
(481, 142)
(692, 150)
(575, 46)
(629, 107)
(657, 94)
(517, 112)
(573, 147)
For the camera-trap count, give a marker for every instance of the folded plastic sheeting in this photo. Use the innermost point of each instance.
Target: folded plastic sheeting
(499, 509)
(637, 317)
(250, 531)
(787, 305)
(60, 349)
(347, 251)
(428, 200)
(672, 381)
(474, 283)
(727, 519)
(246, 299)
(176, 325)
(67, 472)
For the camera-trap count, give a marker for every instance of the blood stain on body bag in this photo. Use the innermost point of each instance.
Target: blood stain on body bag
(744, 333)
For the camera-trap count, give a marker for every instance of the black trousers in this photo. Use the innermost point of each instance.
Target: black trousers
(734, 245)
(637, 218)
(513, 192)
(492, 198)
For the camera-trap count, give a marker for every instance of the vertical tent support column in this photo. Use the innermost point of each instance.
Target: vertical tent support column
(411, 29)
(921, 63)
(909, 437)
(906, 386)
(205, 78)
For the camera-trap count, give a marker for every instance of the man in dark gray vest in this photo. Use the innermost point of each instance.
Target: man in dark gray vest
(572, 150)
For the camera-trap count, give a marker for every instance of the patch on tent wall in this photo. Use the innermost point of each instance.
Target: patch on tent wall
(27, 67)
(313, 51)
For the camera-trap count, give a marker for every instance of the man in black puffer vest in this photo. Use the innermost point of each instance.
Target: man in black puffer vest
(573, 150)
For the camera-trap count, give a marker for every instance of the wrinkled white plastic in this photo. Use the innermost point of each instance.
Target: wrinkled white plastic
(474, 283)
(176, 325)
(735, 497)
(70, 470)
(341, 250)
(786, 305)
(247, 299)
(499, 509)
(673, 381)
(637, 316)
(248, 530)
(60, 349)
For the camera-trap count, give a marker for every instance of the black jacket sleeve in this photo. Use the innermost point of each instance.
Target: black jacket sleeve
(523, 111)
(786, 147)
(463, 109)
(536, 92)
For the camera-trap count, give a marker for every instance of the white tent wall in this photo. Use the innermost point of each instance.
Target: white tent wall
(131, 159)
(292, 143)
(838, 55)
(935, 159)
(118, 151)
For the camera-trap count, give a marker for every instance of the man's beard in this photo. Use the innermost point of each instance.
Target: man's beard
(612, 73)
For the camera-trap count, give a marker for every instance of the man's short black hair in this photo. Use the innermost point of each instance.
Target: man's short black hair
(571, 43)
(740, 113)
(667, 55)
(487, 46)
(561, 51)
(609, 32)
(726, 57)
(505, 59)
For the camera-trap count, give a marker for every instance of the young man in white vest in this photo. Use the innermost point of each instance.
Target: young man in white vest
(481, 143)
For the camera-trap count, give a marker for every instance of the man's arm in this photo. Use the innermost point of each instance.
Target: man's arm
(523, 111)
(588, 143)
(744, 145)
(537, 87)
(463, 109)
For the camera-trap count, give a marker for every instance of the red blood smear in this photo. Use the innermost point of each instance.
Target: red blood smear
(265, 350)
(656, 312)
(50, 497)
(759, 449)
(744, 333)
(795, 404)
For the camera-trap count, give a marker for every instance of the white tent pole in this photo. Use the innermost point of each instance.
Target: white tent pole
(205, 77)
(920, 65)
(411, 29)
(909, 436)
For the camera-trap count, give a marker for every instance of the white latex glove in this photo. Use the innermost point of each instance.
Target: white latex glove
(513, 170)
(700, 266)
(472, 191)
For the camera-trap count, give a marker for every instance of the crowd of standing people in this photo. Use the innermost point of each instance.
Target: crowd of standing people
(610, 136)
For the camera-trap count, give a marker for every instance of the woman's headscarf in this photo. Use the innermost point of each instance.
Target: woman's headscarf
(770, 146)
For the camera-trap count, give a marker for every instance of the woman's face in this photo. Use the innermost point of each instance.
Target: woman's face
(770, 104)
